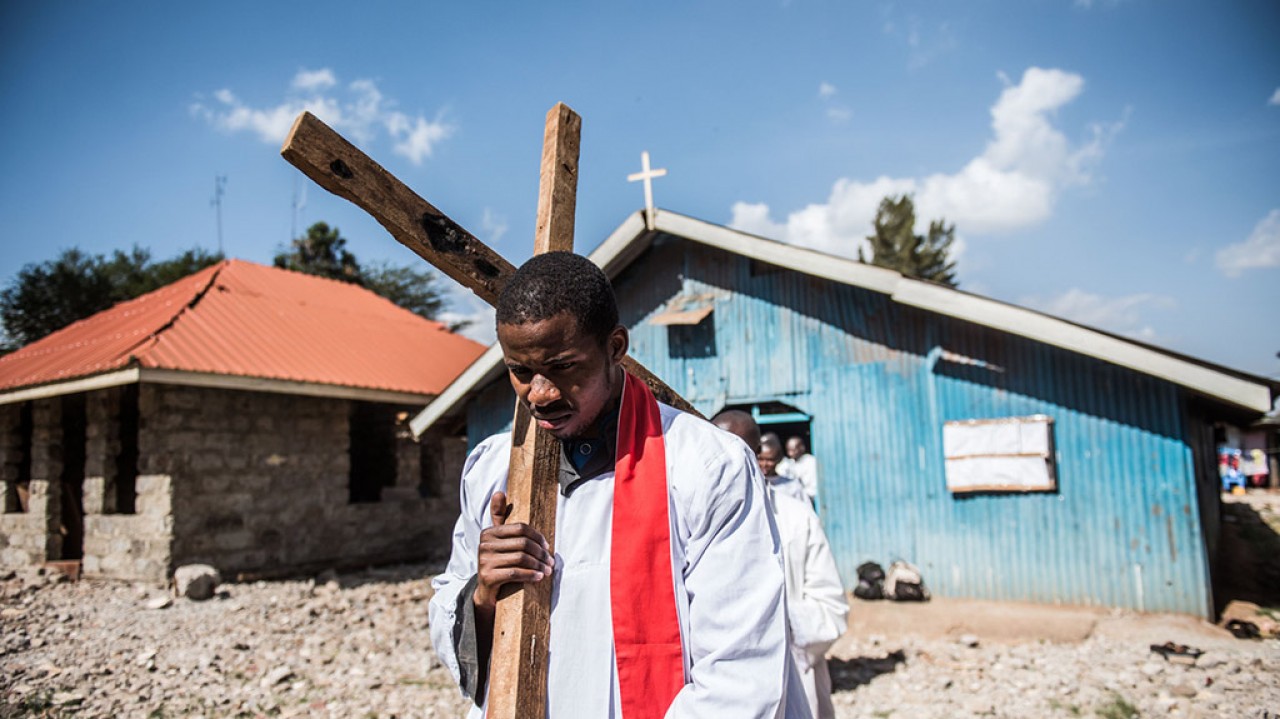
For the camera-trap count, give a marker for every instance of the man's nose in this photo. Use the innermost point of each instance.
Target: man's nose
(542, 391)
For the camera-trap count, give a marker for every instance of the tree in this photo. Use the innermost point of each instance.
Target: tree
(322, 251)
(45, 297)
(896, 246)
(48, 296)
(415, 290)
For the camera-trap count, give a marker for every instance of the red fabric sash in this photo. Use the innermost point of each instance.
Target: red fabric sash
(646, 628)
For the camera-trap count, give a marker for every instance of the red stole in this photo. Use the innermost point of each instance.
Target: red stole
(646, 628)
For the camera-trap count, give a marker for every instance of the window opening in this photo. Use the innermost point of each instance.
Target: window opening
(127, 459)
(72, 479)
(17, 494)
(372, 451)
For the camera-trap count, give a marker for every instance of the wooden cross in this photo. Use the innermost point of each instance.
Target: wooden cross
(647, 175)
(518, 666)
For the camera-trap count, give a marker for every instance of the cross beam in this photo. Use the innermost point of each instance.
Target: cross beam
(341, 168)
(521, 633)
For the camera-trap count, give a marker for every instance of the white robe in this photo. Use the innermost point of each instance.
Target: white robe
(727, 571)
(816, 605)
(781, 485)
(804, 470)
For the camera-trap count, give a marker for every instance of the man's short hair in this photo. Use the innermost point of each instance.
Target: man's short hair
(770, 441)
(560, 282)
(735, 421)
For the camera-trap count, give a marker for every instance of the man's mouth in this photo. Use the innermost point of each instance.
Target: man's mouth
(552, 422)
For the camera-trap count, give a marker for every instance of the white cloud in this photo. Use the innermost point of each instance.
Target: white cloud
(493, 225)
(1260, 250)
(837, 114)
(359, 110)
(479, 316)
(1012, 185)
(314, 79)
(1275, 97)
(1121, 315)
(415, 137)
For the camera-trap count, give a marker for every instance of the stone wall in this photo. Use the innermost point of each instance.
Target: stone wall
(136, 545)
(259, 483)
(31, 537)
(246, 481)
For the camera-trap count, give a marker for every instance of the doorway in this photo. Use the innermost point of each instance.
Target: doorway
(779, 418)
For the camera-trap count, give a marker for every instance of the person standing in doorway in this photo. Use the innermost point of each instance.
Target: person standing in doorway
(770, 458)
(801, 466)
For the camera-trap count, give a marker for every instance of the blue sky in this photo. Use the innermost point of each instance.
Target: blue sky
(1114, 162)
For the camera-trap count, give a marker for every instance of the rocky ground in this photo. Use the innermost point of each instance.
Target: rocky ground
(356, 645)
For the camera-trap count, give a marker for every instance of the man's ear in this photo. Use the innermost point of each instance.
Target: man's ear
(618, 343)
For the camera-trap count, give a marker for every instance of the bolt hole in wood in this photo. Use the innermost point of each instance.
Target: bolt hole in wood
(442, 234)
(340, 169)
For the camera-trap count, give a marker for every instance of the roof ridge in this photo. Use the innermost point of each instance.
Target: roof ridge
(153, 336)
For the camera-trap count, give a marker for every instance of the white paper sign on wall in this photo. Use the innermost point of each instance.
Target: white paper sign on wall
(1009, 454)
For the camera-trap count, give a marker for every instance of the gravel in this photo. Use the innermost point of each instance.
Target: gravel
(357, 645)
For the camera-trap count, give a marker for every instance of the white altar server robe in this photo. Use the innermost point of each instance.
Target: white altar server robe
(817, 609)
(727, 572)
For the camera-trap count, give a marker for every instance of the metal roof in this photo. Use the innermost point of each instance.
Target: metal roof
(632, 238)
(244, 321)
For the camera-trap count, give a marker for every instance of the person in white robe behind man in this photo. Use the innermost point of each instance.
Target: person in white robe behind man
(668, 583)
(801, 466)
(817, 610)
(768, 457)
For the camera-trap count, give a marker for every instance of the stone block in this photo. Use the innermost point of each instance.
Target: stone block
(237, 539)
(196, 581)
(96, 496)
(181, 398)
(222, 521)
(14, 557)
(153, 484)
(151, 570)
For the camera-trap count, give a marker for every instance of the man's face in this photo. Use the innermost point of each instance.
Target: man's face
(768, 460)
(795, 448)
(565, 377)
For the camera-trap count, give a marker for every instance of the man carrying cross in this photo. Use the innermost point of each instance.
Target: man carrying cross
(665, 589)
(667, 595)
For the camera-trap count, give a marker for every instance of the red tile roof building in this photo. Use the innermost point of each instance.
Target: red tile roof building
(241, 319)
(247, 417)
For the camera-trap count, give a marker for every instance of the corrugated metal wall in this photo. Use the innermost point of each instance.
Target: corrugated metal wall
(879, 381)
(1122, 530)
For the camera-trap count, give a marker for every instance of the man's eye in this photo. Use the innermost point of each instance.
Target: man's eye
(562, 367)
(520, 373)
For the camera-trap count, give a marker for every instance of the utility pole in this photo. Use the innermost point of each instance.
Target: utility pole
(219, 189)
(299, 203)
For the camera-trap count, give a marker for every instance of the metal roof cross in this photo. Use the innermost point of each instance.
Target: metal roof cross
(647, 175)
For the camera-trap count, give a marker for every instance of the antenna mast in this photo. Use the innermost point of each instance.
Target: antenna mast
(299, 202)
(219, 189)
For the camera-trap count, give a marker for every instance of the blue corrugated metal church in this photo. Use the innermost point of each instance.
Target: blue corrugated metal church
(907, 391)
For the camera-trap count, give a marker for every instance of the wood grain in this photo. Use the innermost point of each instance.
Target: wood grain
(558, 183)
(522, 623)
(341, 168)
